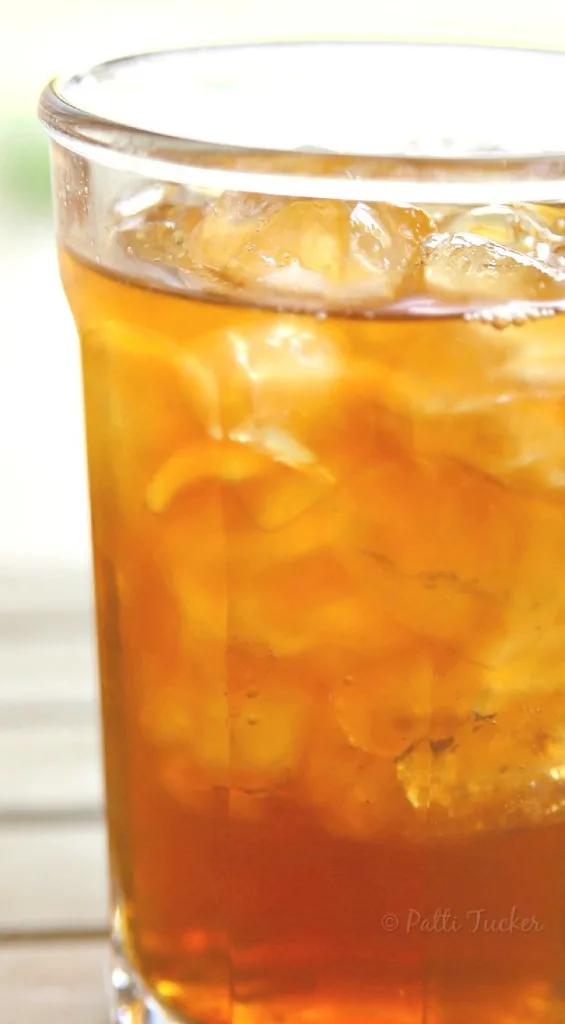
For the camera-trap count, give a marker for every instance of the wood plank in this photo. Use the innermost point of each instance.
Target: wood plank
(51, 769)
(49, 723)
(56, 589)
(54, 983)
(59, 666)
(53, 877)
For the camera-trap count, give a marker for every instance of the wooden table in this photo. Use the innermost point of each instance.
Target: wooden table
(53, 916)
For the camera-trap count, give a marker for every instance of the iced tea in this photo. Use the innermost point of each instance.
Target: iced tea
(326, 447)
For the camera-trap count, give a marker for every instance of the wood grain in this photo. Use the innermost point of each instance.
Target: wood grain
(53, 877)
(49, 727)
(36, 669)
(54, 983)
(50, 769)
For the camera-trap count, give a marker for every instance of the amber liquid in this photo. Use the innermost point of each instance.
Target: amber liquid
(332, 669)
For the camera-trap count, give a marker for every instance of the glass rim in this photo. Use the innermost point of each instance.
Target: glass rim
(395, 176)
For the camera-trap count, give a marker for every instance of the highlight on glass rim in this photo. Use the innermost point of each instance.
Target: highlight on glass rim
(324, 378)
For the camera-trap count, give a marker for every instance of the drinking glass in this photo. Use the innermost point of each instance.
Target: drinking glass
(320, 293)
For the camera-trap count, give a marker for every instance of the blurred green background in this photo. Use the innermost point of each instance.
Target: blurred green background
(43, 524)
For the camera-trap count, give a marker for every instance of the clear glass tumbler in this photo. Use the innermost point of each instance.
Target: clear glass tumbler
(320, 292)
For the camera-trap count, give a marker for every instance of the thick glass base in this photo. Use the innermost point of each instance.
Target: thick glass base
(131, 1002)
(450, 999)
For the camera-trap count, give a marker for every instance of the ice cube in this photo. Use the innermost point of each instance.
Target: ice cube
(434, 546)
(490, 399)
(311, 602)
(384, 246)
(276, 481)
(292, 607)
(159, 651)
(240, 725)
(225, 461)
(418, 370)
(384, 706)
(284, 493)
(187, 540)
(139, 425)
(509, 226)
(263, 392)
(148, 201)
(497, 771)
(524, 656)
(311, 248)
(536, 358)
(269, 392)
(274, 442)
(157, 233)
(466, 267)
(546, 226)
(537, 231)
(228, 229)
(353, 793)
(194, 737)
(267, 734)
(520, 441)
(289, 531)
(264, 374)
